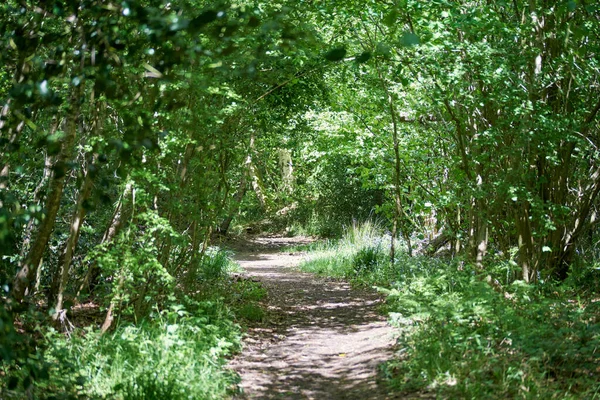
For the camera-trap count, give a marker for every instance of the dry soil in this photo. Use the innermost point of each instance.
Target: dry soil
(321, 339)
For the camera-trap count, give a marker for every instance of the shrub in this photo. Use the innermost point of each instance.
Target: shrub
(215, 264)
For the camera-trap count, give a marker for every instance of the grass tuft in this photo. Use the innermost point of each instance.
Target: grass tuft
(361, 250)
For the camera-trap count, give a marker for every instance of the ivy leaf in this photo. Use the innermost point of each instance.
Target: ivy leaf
(336, 54)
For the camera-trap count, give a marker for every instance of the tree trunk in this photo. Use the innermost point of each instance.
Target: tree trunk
(116, 223)
(60, 280)
(108, 319)
(26, 274)
(526, 244)
(121, 278)
(255, 177)
(399, 208)
(286, 170)
(224, 227)
(37, 198)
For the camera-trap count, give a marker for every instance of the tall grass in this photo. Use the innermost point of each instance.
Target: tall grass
(216, 264)
(361, 248)
(178, 353)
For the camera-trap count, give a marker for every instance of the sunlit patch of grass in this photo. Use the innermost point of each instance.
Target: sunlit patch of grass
(360, 250)
(216, 263)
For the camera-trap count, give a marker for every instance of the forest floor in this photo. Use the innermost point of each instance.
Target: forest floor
(320, 339)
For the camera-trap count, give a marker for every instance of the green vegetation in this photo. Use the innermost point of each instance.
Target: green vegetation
(361, 252)
(177, 351)
(462, 337)
(136, 134)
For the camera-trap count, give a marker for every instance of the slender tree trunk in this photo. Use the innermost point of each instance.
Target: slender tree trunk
(399, 208)
(254, 176)
(167, 243)
(108, 319)
(480, 224)
(37, 198)
(286, 169)
(5, 115)
(121, 281)
(526, 244)
(393, 240)
(26, 274)
(224, 227)
(457, 244)
(197, 257)
(116, 223)
(61, 277)
(4, 172)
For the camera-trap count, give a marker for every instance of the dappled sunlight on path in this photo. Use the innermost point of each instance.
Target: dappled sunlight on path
(321, 338)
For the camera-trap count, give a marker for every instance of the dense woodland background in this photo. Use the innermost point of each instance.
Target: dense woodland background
(135, 135)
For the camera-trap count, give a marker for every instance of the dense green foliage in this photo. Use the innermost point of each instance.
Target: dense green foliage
(460, 338)
(133, 134)
(178, 351)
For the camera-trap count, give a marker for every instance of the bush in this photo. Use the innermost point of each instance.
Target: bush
(463, 339)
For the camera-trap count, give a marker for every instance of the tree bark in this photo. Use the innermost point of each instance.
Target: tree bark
(116, 223)
(64, 262)
(254, 176)
(224, 227)
(399, 208)
(37, 198)
(26, 274)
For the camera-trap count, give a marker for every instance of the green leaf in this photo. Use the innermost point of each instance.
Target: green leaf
(336, 54)
(363, 57)
(391, 18)
(205, 18)
(383, 49)
(409, 39)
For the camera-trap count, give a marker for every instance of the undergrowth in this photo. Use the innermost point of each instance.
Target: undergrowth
(359, 253)
(461, 338)
(178, 351)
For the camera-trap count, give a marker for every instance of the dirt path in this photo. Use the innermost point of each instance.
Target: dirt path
(321, 339)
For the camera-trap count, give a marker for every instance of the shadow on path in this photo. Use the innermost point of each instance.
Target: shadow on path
(321, 340)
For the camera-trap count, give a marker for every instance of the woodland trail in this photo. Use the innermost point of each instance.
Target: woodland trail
(321, 339)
